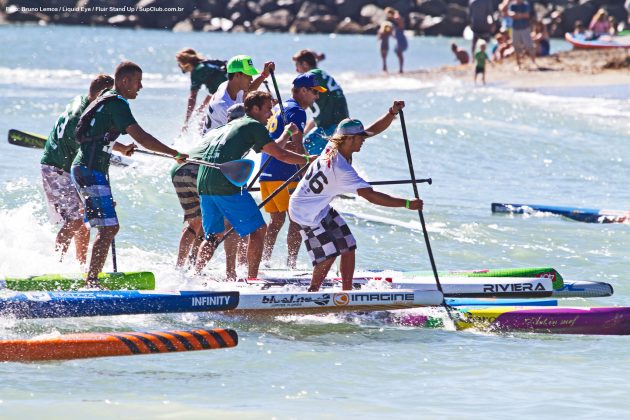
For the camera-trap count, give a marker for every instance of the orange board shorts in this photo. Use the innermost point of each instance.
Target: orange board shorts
(279, 203)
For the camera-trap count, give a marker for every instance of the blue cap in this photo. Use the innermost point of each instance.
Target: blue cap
(308, 80)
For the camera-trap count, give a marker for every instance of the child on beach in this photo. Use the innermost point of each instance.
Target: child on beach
(480, 61)
(383, 35)
(460, 54)
(503, 45)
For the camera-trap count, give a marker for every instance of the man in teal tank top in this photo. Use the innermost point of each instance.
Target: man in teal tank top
(64, 204)
(97, 130)
(328, 110)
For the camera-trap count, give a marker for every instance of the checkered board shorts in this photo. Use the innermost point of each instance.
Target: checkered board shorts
(96, 195)
(331, 238)
(185, 182)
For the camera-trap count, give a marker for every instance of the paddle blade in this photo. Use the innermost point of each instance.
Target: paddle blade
(22, 138)
(237, 171)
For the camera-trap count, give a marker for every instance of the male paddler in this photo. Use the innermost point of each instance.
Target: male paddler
(305, 92)
(325, 233)
(220, 199)
(64, 204)
(328, 110)
(101, 123)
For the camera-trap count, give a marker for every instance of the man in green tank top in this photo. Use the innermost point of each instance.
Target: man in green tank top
(97, 130)
(64, 204)
(328, 110)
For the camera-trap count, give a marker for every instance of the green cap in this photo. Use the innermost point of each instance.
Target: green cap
(352, 127)
(242, 64)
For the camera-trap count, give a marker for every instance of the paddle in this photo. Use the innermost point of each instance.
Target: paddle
(236, 171)
(284, 119)
(396, 182)
(114, 255)
(266, 200)
(414, 183)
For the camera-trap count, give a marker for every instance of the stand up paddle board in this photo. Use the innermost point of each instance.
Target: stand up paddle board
(141, 280)
(579, 214)
(86, 345)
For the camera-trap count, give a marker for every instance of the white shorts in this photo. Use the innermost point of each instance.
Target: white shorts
(63, 199)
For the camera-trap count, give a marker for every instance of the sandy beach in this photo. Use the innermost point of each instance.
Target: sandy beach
(578, 68)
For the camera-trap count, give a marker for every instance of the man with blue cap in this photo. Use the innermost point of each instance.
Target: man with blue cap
(325, 233)
(305, 92)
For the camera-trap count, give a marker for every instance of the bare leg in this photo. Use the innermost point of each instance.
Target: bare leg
(319, 273)
(347, 269)
(100, 249)
(206, 251)
(384, 57)
(401, 61)
(483, 77)
(81, 243)
(241, 251)
(230, 244)
(65, 235)
(254, 251)
(294, 239)
(277, 221)
(187, 239)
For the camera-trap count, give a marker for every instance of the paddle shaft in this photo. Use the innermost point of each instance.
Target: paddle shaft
(271, 196)
(414, 183)
(114, 263)
(284, 119)
(396, 182)
(193, 161)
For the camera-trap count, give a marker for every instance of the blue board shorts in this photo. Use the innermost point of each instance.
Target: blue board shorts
(316, 139)
(239, 209)
(96, 195)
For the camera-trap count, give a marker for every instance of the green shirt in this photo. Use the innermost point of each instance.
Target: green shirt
(196, 152)
(114, 114)
(61, 146)
(206, 74)
(331, 107)
(480, 59)
(229, 142)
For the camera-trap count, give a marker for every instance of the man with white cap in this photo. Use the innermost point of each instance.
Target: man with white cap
(325, 233)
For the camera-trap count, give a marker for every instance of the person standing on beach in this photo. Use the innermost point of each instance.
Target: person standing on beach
(519, 11)
(399, 34)
(328, 110)
(184, 178)
(304, 93)
(64, 203)
(481, 58)
(220, 199)
(102, 122)
(325, 233)
(210, 73)
(460, 54)
(481, 21)
(385, 31)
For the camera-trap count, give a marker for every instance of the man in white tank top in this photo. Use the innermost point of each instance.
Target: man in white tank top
(325, 233)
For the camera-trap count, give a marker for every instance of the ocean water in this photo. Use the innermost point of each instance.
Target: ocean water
(479, 145)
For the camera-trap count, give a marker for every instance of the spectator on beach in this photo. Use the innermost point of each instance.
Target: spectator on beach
(210, 73)
(481, 21)
(481, 58)
(540, 36)
(384, 33)
(460, 54)
(520, 10)
(599, 24)
(503, 46)
(398, 24)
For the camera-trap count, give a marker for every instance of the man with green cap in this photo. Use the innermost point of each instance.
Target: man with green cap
(241, 72)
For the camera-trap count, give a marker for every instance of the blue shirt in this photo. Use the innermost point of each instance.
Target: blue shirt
(277, 170)
(520, 8)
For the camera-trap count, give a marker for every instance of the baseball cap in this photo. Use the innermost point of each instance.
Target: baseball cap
(242, 64)
(352, 127)
(308, 80)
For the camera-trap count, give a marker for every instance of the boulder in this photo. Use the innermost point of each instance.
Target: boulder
(464, 3)
(163, 20)
(292, 5)
(212, 7)
(324, 23)
(370, 29)
(239, 18)
(403, 6)
(311, 8)
(350, 8)
(372, 14)
(240, 7)
(280, 20)
(199, 19)
(184, 26)
(582, 12)
(348, 26)
(456, 11)
(302, 26)
(415, 20)
(123, 21)
(431, 7)
(13, 14)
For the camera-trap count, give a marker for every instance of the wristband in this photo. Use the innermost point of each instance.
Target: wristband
(290, 132)
(391, 112)
(307, 158)
(178, 155)
(264, 75)
(407, 204)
